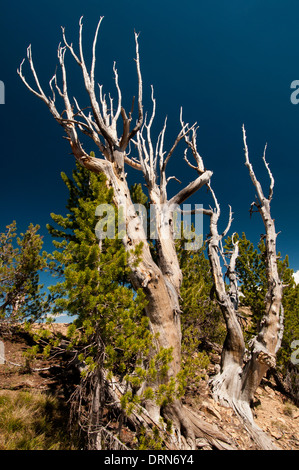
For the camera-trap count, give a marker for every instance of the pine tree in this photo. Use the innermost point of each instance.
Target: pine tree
(21, 261)
(199, 310)
(110, 332)
(201, 319)
(251, 270)
(95, 288)
(291, 320)
(202, 325)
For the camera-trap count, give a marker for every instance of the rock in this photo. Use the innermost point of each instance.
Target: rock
(259, 391)
(282, 420)
(269, 392)
(275, 433)
(210, 409)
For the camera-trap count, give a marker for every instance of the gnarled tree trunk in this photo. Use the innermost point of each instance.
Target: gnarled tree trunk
(159, 280)
(240, 374)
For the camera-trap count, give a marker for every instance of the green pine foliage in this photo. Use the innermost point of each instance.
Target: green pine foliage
(21, 261)
(200, 311)
(201, 317)
(95, 286)
(291, 323)
(252, 273)
(110, 330)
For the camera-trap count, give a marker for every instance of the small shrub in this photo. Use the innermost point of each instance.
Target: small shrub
(288, 410)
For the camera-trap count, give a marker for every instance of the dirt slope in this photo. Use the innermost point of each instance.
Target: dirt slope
(274, 413)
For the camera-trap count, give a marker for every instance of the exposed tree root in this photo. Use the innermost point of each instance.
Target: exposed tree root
(193, 432)
(228, 393)
(206, 432)
(188, 430)
(261, 439)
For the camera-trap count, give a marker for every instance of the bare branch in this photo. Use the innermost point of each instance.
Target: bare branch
(140, 106)
(193, 147)
(254, 180)
(106, 116)
(191, 188)
(229, 223)
(41, 94)
(91, 128)
(106, 131)
(173, 178)
(127, 135)
(231, 274)
(82, 61)
(70, 47)
(183, 132)
(198, 210)
(148, 128)
(132, 163)
(118, 111)
(215, 201)
(51, 87)
(57, 87)
(270, 175)
(61, 54)
(186, 160)
(160, 145)
(29, 55)
(94, 51)
(126, 129)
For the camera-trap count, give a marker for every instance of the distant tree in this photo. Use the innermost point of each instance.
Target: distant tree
(21, 261)
(291, 324)
(202, 324)
(251, 270)
(288, 364)
(199, 307)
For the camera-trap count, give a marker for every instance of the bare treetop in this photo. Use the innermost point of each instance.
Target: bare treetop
(102, 121)
(99, 122)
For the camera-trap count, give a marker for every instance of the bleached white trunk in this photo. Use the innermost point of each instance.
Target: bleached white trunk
(238, 379)
(161, 280)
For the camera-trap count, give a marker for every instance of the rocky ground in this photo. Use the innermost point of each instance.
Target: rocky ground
(273, 412)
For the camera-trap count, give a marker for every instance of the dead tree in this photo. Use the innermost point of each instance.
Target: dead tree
(241, 371)
(160, 279)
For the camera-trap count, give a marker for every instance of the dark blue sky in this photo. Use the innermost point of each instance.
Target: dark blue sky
(227, 63)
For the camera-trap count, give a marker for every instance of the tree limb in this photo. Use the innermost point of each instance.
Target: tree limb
(254, 179)
(191, 188)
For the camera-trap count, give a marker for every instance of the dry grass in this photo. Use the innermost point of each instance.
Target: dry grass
(32, 421)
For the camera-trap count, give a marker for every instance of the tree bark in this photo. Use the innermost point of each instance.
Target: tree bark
(159, 280)
(239, 377)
